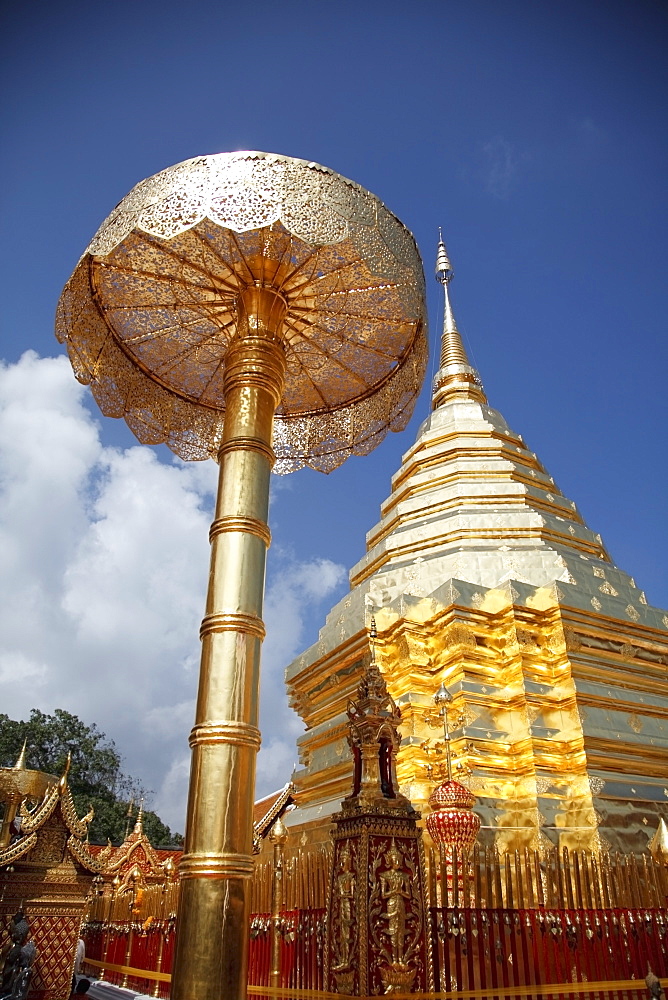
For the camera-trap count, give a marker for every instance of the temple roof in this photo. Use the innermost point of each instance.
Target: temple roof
(267, 810)
(57, 802)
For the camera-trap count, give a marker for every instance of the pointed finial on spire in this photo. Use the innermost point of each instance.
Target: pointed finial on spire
(62, 784)
(278, 834)
(658, 845)
(21, 760)
(455, 377)
(443, 698)
(139, 824)
(444, 272)
(373, 635)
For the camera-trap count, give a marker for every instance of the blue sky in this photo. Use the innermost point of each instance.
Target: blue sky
(533, 132)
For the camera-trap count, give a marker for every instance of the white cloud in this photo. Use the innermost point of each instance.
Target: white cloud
(294, 589)
(105, 559)
(501, 167)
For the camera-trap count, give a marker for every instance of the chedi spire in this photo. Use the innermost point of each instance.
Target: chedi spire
(455, 378)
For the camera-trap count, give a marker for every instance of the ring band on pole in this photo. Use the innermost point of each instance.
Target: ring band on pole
(216, 866)
(229, 622)
(236, 733)
(250, 525)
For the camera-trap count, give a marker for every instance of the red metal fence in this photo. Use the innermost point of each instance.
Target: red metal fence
(512, 925)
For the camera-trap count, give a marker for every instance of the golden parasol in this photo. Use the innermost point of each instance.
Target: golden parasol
(257, 309)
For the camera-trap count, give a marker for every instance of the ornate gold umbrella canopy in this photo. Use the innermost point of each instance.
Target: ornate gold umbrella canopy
(151, 309)
(250, 307)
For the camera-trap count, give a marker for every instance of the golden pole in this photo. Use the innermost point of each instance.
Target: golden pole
(278, 835)
(211, 953)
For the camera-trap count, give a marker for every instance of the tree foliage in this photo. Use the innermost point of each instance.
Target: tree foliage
(96, 776)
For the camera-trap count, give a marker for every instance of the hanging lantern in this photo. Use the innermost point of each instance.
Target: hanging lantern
(453, 822)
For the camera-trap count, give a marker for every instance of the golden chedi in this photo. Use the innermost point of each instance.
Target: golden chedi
(483, 576)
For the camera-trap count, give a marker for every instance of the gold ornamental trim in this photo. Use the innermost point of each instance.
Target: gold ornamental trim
(249, 525)
(78, 849)
(247, 444)
(605, 987)
(233, 622)
(290, 993)
(449, 538)
(18, 849)
(129, 970)
(236, 733)
(216, 866)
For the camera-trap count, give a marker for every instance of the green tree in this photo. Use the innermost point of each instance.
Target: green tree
(96, 776)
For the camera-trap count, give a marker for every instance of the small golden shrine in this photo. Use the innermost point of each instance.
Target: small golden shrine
(136, 864)
(46, 871)
(484, 577)
(376, 928)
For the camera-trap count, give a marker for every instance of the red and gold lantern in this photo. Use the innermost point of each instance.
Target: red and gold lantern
(453, 822)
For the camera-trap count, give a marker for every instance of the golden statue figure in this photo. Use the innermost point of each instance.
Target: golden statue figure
(345, 889)
(395, 888)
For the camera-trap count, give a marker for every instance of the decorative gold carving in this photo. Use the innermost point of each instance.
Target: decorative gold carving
(526, 639)
(632, 613)
(607, 588)
(395, 914)
(17, 850)
(51, 843)
(459, 635)
(84, 857)
(599, 573)
(596, 604)
(533, 712)
(343, 911)
(183, 243)
(635, 722)
(377, 928)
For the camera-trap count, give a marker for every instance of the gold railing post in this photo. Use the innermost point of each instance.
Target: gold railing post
(211, 953)
(161, 930)
(128, 954)
(278, 835)
(106, 925)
